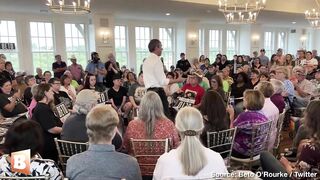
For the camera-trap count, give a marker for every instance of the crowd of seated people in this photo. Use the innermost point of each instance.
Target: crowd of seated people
(260, 88)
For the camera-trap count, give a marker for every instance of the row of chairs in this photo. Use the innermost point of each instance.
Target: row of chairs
(221, 142)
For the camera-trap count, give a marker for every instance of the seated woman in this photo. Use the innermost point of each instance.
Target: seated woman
(67, 88)
(277, 97)
(131, 79)
(253, 102)
(51, 125)
(191, 159)
(215, 119)
(137, 91)
(309, 156)
(25, 134)
(74, 128)
(91, 83)
(216, 85)
(10, 101)
(151, 124)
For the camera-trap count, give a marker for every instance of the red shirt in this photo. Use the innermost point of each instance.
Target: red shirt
(196, 91)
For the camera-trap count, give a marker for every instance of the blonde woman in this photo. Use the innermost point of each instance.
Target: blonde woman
(191, 159)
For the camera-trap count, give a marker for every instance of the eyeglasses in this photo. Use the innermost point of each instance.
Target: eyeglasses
(214, 81)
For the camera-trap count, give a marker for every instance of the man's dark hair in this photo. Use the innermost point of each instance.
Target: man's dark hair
(52, 80)
(153, 44)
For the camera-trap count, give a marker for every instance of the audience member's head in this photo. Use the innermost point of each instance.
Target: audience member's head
(151, 109)
(253, 100)
(216, 82)
(65, 80)
(5, 86)
(281, 73)
(55, 84)
(90, 81)
(47, 75)
(264, 76)
(101, 123)
(85, 101)
(24, 134)
(30, 80)
(214, 115)
(278, 86)
(189, 124)
(44, 92)
(266, 88)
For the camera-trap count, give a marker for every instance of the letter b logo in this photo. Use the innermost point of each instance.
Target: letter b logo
(20, 161)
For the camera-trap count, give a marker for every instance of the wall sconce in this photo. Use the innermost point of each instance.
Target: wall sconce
(105, 36)
(303, 40)
(193, 38)
(255, 38)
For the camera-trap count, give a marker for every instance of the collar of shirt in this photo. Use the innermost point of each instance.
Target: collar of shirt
(101, 147)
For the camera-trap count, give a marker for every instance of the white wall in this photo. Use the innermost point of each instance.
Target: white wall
(182, 30)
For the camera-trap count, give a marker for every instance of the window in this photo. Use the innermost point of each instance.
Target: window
(281, 40)
(75, 43)
(143, 36)
(8, 35)
(231, 43)
(121, 45)
(42, 45)
(166, 38)
(201, 42)
(268, 43)
(214, 44)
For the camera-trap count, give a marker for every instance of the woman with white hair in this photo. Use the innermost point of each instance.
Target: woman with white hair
(277, 97)
(74, 128)
(191, 159)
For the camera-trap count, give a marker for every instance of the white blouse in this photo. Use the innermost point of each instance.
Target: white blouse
(169, 166)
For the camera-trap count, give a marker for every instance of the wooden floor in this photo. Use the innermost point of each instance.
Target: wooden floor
(286, 140)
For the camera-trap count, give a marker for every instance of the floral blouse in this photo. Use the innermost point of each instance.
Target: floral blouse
(38, 167)
(163, 128)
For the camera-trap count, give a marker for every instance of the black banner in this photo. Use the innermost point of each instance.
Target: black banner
(7, 46)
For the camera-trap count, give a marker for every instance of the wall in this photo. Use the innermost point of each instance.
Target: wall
(186, 35)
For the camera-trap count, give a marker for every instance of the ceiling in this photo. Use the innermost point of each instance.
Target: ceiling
(277, 12)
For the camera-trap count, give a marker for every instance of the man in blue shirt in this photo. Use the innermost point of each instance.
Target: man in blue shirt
(96, 67)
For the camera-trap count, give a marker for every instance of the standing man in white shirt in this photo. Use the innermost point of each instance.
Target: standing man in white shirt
(153, 73)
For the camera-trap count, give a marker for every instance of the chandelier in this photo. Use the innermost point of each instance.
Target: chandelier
(313, 17)
(245, 12)
(69, 6)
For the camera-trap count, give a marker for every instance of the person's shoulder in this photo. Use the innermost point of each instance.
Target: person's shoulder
(169, 156)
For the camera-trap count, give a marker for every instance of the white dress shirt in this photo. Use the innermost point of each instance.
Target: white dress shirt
(153, 74)
(271, 111)
(169, 166)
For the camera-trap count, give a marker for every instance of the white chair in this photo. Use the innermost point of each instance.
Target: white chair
(147, 152)
(260, 134)
(66, 149)
(222, 142)
(279, 129)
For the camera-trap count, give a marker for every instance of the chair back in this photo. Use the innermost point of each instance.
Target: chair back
(260, 134)
(222, 142)
(66, 149)
(46, 177)
(147, 152)
(279, 129)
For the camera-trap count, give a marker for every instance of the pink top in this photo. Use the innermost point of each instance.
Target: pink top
(163, 128)
(31, 107)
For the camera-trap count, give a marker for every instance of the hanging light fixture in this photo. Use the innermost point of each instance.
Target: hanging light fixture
(245, 12)
(69, 6)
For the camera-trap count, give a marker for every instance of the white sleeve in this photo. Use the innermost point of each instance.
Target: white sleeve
(159, 73)
(158, 170)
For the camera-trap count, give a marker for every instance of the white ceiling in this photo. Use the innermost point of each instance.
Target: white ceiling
(277, 12)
